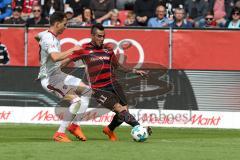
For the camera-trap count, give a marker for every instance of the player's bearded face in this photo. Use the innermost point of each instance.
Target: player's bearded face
(98, 37)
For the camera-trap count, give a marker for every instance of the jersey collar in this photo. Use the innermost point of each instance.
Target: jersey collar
(52, 33)
(95, 46)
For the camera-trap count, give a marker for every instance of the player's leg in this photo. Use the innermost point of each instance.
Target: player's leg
(124, 115)
(118, 91)
(107, 99)
(60, 135)
(111, 101)
(80, 89)
(122, 110)
(69, 114)
(62, 86)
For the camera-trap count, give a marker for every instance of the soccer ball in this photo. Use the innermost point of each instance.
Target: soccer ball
(139, 133)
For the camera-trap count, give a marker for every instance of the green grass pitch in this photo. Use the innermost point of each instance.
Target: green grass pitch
(34, 142)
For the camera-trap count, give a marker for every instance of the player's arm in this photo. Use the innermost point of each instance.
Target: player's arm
(120, 67)
(56, 56)
(47, 43)
(65, 62)
(75, 56)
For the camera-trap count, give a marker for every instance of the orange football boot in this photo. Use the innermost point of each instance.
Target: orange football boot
(111, 135)
(61, 137)
(77, 132)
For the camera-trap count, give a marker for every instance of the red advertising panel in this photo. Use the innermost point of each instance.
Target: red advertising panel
(33, 47)
(13, 39)
(206, 50)
(149, 46)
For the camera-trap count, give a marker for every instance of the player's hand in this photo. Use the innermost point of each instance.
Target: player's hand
(76, 48)
(142, 73)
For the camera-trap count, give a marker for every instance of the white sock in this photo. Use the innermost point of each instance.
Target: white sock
(82, 109)
(63, 126)
(69, 115)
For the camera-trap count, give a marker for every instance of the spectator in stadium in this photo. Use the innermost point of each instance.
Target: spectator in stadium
(208, 22)
(27, 6)
(160, 20)
(16, 17)
(69, 13)
(179, 19)
(88, 17)
(196, 9)
(77, 6)
(37, 17)
(50, 6)
(144, 10)
(234, 21)
(131, 19)
(113, 21)
(5, 9)
(102, 9)
(4, 55)
(222, 9)
(72, 21)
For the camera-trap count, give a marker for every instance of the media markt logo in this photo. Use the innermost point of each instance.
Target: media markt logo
(4, 115)
(205, 120)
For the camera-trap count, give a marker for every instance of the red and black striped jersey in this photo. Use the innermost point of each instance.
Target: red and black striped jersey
(99, 62)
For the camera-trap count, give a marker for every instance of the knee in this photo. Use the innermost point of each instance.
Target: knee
(84, 104)
(75, 104)
(70, 96)
(119, 108)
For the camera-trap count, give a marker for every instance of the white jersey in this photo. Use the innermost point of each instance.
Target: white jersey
(48, 44)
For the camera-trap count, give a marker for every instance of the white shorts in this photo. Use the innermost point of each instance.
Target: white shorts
(60, 84)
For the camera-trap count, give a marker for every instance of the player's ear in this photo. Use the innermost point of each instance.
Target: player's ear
(92, 35)
(56, 24)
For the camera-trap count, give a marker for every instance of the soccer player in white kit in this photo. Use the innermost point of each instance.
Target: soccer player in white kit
(55, 81)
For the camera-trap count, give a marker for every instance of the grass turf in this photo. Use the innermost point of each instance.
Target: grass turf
(33, 142)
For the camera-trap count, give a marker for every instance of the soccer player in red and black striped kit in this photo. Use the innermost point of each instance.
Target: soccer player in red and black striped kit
(101, 63)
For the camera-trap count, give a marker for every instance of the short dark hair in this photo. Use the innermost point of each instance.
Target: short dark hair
(96, 26)
(160, 5)
(234, 10)
(57, 16)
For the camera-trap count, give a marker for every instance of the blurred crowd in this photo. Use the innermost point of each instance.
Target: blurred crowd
(146, 13)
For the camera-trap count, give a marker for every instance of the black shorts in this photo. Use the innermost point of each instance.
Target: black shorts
(109, 95)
